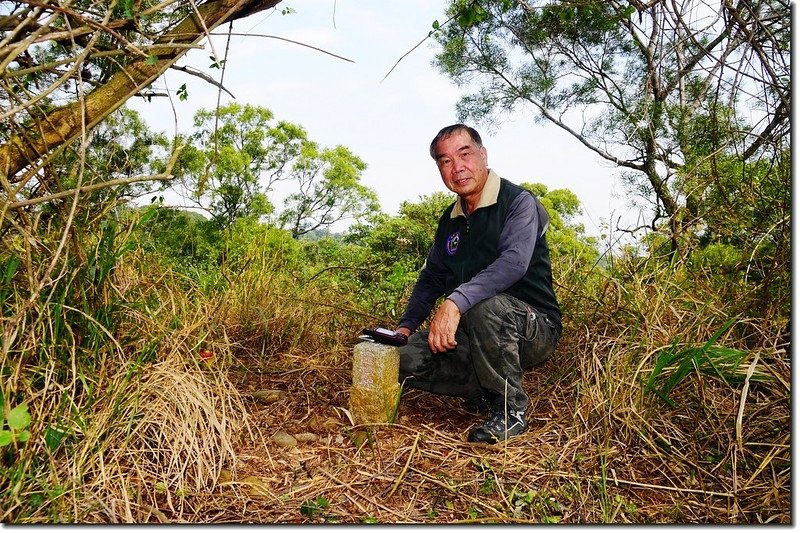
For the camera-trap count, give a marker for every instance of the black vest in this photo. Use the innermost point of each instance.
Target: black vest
(469, 244)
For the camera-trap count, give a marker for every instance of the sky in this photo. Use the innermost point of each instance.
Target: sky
(389, 122)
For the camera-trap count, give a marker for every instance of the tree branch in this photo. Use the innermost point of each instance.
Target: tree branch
(203, 76)
(164, 176)
(67, 123)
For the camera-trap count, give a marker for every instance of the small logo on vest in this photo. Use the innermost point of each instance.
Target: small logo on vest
(452, 243)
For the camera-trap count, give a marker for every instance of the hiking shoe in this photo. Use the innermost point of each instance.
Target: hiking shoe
(501, 426)
(479, 405)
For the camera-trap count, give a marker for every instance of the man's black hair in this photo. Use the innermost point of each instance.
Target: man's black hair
(447, 131)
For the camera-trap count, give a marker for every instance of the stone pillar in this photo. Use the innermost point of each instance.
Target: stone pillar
(375, 393)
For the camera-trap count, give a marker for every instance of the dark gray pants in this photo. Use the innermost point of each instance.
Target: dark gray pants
(497, 339)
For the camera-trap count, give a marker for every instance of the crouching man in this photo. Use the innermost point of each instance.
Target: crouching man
(500, 315)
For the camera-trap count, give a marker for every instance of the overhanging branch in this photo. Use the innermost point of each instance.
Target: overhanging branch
(68, 122)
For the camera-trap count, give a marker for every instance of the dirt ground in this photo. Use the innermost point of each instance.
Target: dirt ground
(421, 469)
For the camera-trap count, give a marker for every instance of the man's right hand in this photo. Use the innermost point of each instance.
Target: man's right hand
(442, 335)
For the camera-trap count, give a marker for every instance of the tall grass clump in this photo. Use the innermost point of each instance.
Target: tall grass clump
(101, 350)
(281, 297)
(681, 389)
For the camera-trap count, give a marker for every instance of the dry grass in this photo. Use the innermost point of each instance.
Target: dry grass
(118, 430)
(600, 450)
(154, 433)
(579, 463)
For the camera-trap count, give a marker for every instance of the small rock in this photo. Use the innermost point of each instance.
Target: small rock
(306, 437)
(284, 440)
(268, 396)
(256, 486)
(225, 476)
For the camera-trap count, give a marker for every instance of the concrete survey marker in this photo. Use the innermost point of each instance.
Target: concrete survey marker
(375, 393)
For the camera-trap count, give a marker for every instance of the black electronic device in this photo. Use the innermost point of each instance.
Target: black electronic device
(384, 336)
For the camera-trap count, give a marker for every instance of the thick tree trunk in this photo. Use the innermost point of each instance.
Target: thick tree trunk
(66, 123)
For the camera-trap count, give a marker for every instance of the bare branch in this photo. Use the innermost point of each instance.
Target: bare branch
(265, 36)
(203, 76)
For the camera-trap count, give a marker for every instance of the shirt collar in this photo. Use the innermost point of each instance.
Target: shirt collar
(488, 195)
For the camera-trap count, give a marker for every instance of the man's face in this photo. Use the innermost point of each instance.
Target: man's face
(463, 165)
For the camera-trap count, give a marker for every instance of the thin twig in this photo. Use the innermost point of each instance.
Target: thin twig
(405, 468)
(165, 176)
(203, 76)
(288, 41)
(668, 488)
(361, 494)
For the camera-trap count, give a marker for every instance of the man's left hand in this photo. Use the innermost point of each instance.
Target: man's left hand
(442, 333)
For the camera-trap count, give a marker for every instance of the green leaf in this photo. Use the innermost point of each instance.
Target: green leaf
(216, 63)
(53, 437)
(128, 9)
(311, 508)
(151, 60)
(5, 437)
(24, 436)
(19, 418)
(11, 268)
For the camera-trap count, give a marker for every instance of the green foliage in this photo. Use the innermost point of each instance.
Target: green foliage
(185, 236)
(404, 239)
(640, 94)
(231, 150)
(394, 250)
(120, 147)
(532, 504)
(315, 507)
(183, 93)
(248, 240)
(572, 252)
(673, 365)
(329, 190)
(238, 154)
(18, 420)
(8, 268)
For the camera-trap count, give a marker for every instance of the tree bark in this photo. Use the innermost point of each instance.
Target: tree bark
(68, 122)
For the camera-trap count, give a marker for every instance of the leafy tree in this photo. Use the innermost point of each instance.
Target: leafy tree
(566, 239)
(187, 238)
(234, 157)
(427, 210)
(238, 153)
(635, 83)
(329, 190)
(119, 155)
(405, 238)
(121, 148)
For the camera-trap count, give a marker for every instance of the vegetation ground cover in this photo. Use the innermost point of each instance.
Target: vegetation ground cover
(159, 365)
